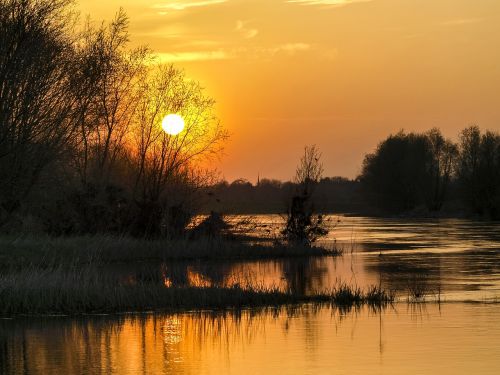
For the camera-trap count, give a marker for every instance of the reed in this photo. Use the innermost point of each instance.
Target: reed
(89, 289)
(46, 251)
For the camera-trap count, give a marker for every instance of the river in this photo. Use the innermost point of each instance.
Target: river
(453, 265)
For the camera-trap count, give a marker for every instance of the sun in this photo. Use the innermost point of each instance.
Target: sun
(172, 124)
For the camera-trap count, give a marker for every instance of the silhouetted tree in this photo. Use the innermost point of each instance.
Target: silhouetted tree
(303, 225)
(163, 165)
(478, 171)
(100, 144)
(91, 108)
(397, 176)
(43, 89)
(444, 153)
(118, 74)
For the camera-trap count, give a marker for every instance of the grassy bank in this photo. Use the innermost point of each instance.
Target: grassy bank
(74, 276)
(18, 252)
(89, 290)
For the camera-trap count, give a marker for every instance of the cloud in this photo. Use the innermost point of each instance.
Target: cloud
(327, 2)
(461, 21)
(222, 54)
(172, 57)
(246, 32)
(181, 5)
(290, 48)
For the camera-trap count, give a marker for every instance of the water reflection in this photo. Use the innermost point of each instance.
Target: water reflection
(454, 260)
(414, 338)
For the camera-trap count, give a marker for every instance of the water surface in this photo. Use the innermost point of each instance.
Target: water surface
(449, 259)
(447, 339)
(456, 262)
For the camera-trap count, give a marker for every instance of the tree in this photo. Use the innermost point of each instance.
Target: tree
(303, 225)
(118, 76)
(444, 153)
(91, 108)
(478, 171)
(163, 166)
(397, 176)
(41, 92)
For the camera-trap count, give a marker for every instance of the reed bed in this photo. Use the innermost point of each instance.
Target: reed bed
(46, 251)
(77, 290)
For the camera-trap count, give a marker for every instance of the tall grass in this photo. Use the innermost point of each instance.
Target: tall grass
(419, 289)
(76, 289)
(47, 251)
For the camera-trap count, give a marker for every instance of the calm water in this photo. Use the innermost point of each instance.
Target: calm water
(455, 261)
(451, 339)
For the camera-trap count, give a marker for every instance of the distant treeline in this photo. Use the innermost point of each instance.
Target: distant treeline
(336, 194)
(408, 173)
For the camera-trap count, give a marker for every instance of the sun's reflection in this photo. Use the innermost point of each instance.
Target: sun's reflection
(172, 331)
(315, 340)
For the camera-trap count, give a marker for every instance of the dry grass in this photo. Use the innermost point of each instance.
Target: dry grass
(47, 251)
(88, 289)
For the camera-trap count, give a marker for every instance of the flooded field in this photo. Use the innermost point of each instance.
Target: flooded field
(450, 260)
(454, 265)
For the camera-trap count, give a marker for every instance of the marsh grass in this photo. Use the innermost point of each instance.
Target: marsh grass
(77, 290)
(47, 251)
(419, 289)
(74, 276)
(345, 294)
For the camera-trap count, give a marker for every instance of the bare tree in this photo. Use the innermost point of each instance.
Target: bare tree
(478, 171)
(162, 162)
(41, 92)
(444, 153)
(303, 225)
(93, 106)
(105, 125)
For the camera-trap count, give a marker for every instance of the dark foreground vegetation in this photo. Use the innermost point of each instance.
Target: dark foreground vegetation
(89, 290)
(44, 252)
(82, 149)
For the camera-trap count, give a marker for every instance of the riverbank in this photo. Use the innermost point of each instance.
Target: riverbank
(74, 275)
(19, 252)
(90, 289)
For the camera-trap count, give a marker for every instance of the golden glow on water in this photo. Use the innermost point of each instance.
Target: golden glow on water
(406, 339)
(454, 260)
(458, 258)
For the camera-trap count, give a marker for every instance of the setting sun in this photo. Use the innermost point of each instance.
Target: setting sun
(173, 124)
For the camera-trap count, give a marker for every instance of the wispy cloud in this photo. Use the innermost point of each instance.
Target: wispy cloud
(192, 56)
(327, 2)
(181, 5)
(461, 21)
(245, 31)
(290, 48)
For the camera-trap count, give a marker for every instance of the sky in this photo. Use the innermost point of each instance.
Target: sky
(340, 74)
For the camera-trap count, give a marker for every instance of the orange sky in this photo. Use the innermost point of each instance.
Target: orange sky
(341, 74)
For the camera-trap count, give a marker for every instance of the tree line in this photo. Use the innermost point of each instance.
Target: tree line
(81, 145)
(408, 173)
